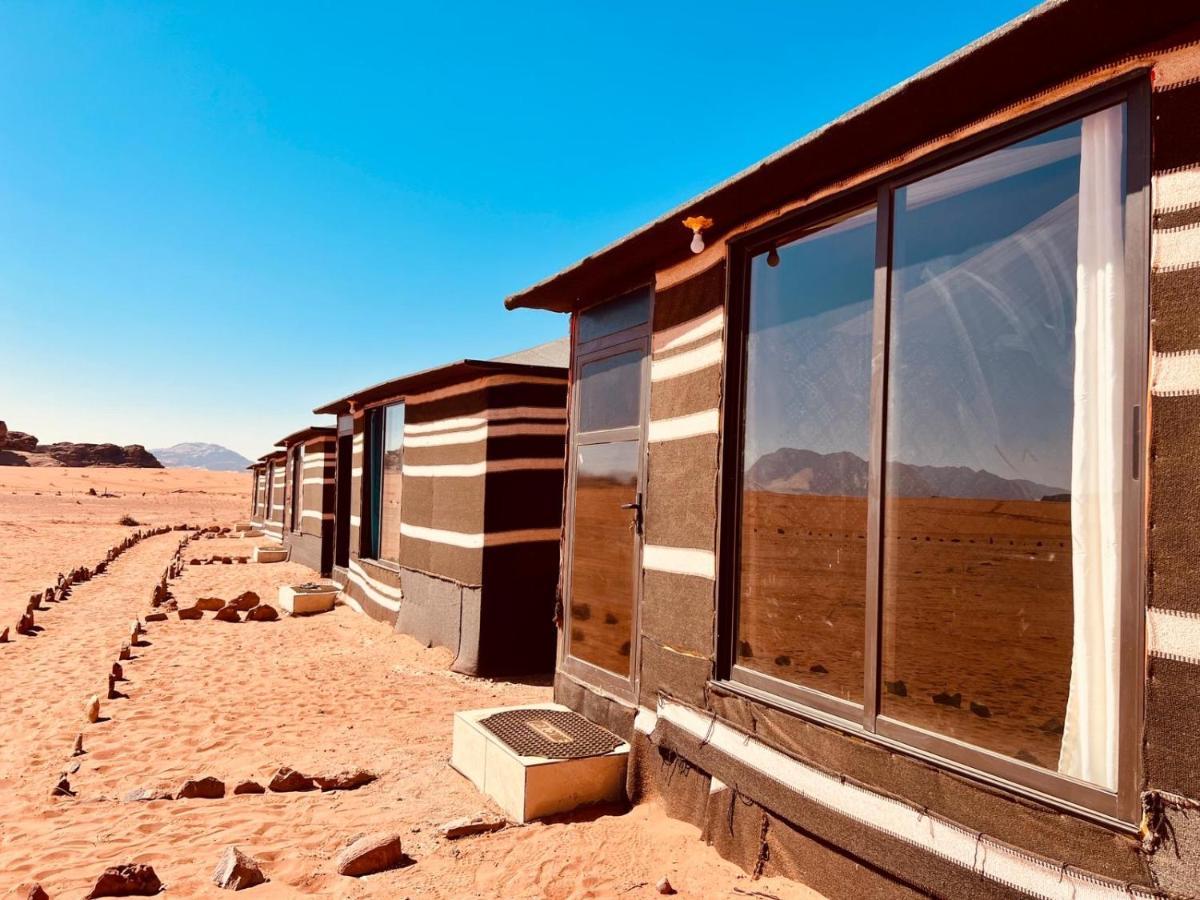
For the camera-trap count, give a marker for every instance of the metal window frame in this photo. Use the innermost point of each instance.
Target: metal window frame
(1121, 808)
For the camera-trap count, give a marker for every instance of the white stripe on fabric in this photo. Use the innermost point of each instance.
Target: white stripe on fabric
(476, 541)
(690, 331)
(1174, 635)
(1176, 190)
(986, 856)
(680, 427)
(685, 363)
(680, 561)
(468, 470)
(470, 436)
(1176, 248)
(1175, 374)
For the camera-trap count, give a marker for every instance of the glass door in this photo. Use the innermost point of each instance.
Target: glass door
(603, 585)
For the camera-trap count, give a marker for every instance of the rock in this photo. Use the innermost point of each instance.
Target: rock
(264, 612)
(128, 880)
(125, 652)
(287, 780)
(133, 456)
(664, 886)
(246, 600)
(235, 871)
(62, 788)
(210, 604)
(4, 635)
(201, 789)
(78, 751)
(113, 693)
(472, 825)
(37, 892)
(344, 781)
(249, 787)
(370, 854)
(91, 709)
(228, 614)
(156, 617)
(190, 613)
(144, 795)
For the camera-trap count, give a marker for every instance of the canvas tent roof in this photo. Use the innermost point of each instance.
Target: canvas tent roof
(1052, 42)
(525, 362)
(304, 434)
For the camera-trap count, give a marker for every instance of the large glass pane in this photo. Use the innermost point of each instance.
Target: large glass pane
(615, 315)
(1006, 290)
(610, 392)
(804, 500)
(602, 555)
(391, 464)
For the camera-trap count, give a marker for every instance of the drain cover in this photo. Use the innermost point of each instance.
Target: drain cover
(552, 733)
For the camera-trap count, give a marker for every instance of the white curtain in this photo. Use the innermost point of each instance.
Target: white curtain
(1089, 744)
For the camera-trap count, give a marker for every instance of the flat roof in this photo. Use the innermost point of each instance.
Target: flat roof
(1048, 45)
(273, 456)
(305, 433)
(431, 379)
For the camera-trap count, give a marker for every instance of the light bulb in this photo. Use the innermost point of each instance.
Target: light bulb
(697, 243)
(773, 258)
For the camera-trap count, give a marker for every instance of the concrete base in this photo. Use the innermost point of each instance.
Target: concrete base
(306, 603)
(270, 554)
(530, 787)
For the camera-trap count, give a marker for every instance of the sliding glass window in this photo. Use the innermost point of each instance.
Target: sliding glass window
(939, 454)
(386, 451)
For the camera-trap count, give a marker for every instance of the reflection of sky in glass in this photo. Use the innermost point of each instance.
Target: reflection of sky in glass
(393, 436)
(983, 294)
(809, 345)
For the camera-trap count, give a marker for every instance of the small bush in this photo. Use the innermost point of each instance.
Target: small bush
(128, 521)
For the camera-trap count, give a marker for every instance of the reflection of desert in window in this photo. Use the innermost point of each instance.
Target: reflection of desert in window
(977, 618)
(389, 504)
(601, 601)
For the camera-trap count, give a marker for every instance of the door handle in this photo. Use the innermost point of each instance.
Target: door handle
(636, 506)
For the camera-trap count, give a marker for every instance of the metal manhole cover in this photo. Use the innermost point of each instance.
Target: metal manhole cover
(552, 733)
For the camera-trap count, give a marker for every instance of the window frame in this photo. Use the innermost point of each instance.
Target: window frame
(296, 471)
(374, 439)
(1120, 808)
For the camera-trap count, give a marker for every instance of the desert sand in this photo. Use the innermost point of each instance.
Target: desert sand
(237, 701)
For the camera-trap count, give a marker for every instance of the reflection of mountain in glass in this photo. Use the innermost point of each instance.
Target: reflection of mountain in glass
(792, 471)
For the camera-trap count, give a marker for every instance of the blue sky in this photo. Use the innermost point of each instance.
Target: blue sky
(173, 176)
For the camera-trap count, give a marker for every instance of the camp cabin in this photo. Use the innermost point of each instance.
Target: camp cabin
(274, 476)
(258, 493)
(309, 496)
(881, 533)
(453, 478)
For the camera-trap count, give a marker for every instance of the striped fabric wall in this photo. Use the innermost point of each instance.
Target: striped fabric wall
(500, 435)
(317, 487)
(258, 496)
(276, 482)
(1172, 763)
(356, 481)
(679, 553)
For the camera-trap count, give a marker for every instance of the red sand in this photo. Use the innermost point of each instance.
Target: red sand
(236, 701)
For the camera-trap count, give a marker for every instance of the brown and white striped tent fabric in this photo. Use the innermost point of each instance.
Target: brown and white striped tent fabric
(309, 525)
(480, 514)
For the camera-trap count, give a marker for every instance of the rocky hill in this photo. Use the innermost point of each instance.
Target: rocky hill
(20, 449)
(213, 457)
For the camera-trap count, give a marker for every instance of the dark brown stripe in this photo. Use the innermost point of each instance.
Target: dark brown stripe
(688, 299)
(681, 493)
(678, 611)
(1172, 727)
(463, 564)
(690, 393)
(453, 504)
(524, 499)
(1174, 536)
(446, 454)
(1178, 218)
(1176, 127)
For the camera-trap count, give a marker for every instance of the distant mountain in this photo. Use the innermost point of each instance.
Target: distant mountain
(792, 471)
(213, 457)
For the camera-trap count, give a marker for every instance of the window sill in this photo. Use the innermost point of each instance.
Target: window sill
(1108, 818)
